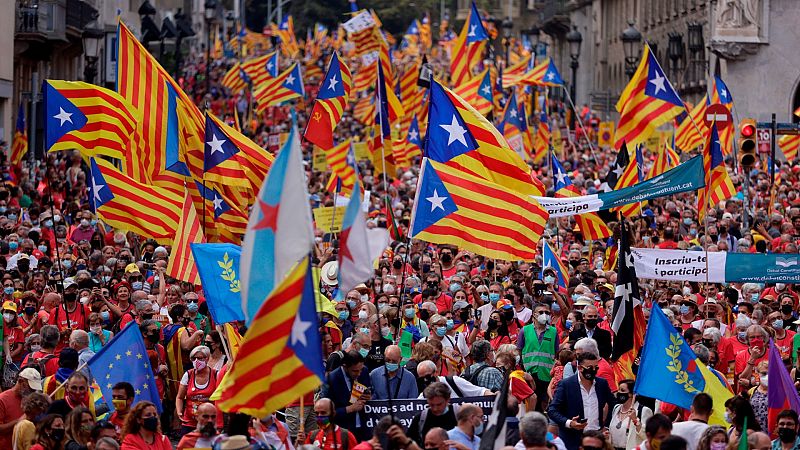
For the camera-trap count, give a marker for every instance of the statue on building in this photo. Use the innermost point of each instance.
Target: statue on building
(738, 14)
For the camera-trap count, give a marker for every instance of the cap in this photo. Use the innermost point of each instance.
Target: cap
(132, 268)
(361, 287)
(23, 256)
(235, 442)
(329, 274)
(69, 282)
(503, 303)
(461, 304)
(33, 377)
(9, 305)
(608, 286)
(584, 301)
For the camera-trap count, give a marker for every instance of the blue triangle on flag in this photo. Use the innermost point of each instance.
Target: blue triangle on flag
(218, 146)
(658, 85)
(211, 195)
(173, 162)
(62, 115)
(333, 86)
(99, 189)
(433, 200)
(448, 135)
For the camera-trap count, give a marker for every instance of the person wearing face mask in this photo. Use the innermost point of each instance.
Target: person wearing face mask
(142, 430)
(746, 361)
(485, 311)
(13, 336)
(454, 345)
(180, 337)
(30, 317)
(758, 395)
(580, 401)
(78, 425)
(466, 434)
(537, 344)
(392, 381)
(196, 387)
(22, 260)
(376, 325)
(783, 338)
(340, 386)
(49, 433)
(628, 417)
(330, 435)
(205, 433)
(157, 356)
(67, 363)
(71, 314)
(343, 314)
(76, 394)
(591, 319)
(272, 432)
(28, 380)
(714, 438)
(658, 428)
(122, 395)
(98, 336)
(786, 429)
(411, 322)
(432, 289)
(201, 322)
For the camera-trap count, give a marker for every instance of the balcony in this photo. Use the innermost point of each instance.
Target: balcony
(554, 16)
(79, 14)
(40, 21)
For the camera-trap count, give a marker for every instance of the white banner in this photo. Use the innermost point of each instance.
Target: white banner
(570, 206)
(359, 22)
(679, 265)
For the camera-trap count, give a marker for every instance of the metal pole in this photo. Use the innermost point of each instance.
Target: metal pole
(208, 56)
(34, 100)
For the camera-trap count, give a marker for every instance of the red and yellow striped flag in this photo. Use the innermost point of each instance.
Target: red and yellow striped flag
(648, 101)
(233, 79)
(261, 68)
(19, 144)
(666, 159)
(719, 186)
(341, 161)
(513, 72)
(280, 357)
(181, 264)
(687, 136)
(468, 48)
(789, 145)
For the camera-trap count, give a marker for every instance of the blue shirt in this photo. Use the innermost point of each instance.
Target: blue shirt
(459, 436)
(777, 445)
(402, 384)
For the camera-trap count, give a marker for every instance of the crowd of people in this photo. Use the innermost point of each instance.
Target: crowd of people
(70, 284)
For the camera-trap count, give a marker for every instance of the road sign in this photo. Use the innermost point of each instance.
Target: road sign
(718, 113)
(764, 139)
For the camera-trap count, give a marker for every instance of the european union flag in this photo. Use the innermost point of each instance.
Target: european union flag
(218, 267)
(669, 368)
(125, 358)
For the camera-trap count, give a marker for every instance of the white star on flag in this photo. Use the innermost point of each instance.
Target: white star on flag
(217, 202)
(455, 132)
(560, 176)
(486, 89)
(513, 113)
(63, 116)
(619, 170)
(97, 188)
(299, 329)
(269, 66)
(332, 82)
(550, 75)
(658, 82)
(216, 144)
(413, 135)
(472, 30)
(290, 79)
(723, 93)
(436, 201)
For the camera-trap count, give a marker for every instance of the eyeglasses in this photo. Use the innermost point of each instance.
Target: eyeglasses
(192, 300)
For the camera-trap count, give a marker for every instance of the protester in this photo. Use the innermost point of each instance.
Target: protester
(466, 434)
(205, 434)
(628, 417)
(694, 428)
(330, 436)
(392, 381)
(142, 429)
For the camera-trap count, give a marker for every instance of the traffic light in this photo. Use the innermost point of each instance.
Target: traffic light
(747, 142)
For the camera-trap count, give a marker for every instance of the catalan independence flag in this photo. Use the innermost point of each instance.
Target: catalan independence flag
(286, 86)
(413, 145)
(722, 95)
(512, 73)
(633, 174)
(591, 225)
(19, 144)
(342, 162)
(544, 74)
(288, 40)
(261, 68)
(541, 142)
(453, 207)
(94, 120)
(515, 128)
(331, 101)
(181, 264)
(235, 79)
(119, 201)
(689, 133)
(478, 92)
(666, 159)
(462, 138)
(719, 186)
(280, 358)
(248, 159)
(468, 47)
(648, 102)
(789, 144)
(551, 260)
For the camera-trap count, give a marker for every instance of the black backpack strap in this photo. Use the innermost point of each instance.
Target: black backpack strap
(452, 382)
(474, 376)
(345, 444)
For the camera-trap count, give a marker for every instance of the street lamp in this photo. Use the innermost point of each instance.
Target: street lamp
(574, 39)
(695, 43)
(631, 46)
(533, 38)
(507, 25)
(211, 12)
(91, 48)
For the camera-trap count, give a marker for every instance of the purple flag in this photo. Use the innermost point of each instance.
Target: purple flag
(781, 393)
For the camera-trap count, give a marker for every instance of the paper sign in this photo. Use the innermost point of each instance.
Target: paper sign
(324, 220)
(359, 22)
(318, 160)
(358, 390)
(361, 151)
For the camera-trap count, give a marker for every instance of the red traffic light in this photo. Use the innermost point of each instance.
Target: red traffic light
(748, 130)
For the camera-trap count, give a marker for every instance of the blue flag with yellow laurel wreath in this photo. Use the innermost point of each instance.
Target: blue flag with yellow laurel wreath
(670, 371)
(218, 267)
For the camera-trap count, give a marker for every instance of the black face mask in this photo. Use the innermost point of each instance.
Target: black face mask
(786, 309)
(70, 296)
(708, 343)
(426, 268)
(574, 264)
(509, 315)
(447, 258)
(538, 291)
(23, 266)
(622, 397)
(423, 382)
(150, 423)
(424, 315)
(787, 435)
(153, 337)
(57, 434)
(492, 324)
(589, 372)
(591, 323)
(463, 315)
(397, 264)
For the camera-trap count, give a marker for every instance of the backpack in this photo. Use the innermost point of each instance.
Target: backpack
(40, 364)
(472, 377)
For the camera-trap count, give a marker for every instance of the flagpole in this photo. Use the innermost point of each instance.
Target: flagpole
(335, 197)
(61, 385)
(224, 339)
(580, 122)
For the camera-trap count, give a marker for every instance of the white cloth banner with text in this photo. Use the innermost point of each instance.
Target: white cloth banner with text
(679, 265)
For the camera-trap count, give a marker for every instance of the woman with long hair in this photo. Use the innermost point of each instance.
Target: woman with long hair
(33, 405)
(79, 425)
(142, 430)
(49, 433)
(714, 438)
(628, 418)
(739, 411)
(213, 341)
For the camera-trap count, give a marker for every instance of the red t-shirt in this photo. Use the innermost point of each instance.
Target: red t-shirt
(326, 441)
(50, 367)
(668, 244)
(78, 319)
(785, 345)
(10, 409)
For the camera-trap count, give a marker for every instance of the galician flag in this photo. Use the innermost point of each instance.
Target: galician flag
(358, 245)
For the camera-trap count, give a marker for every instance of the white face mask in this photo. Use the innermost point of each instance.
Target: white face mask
(8, 317)
(687, 290)
(364, 298)
(363, 314)
(84, 300)
(543, 319)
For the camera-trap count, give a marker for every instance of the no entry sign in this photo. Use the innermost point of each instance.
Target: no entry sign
(720, 114)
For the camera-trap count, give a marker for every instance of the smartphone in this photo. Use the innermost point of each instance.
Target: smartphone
(583, 420)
